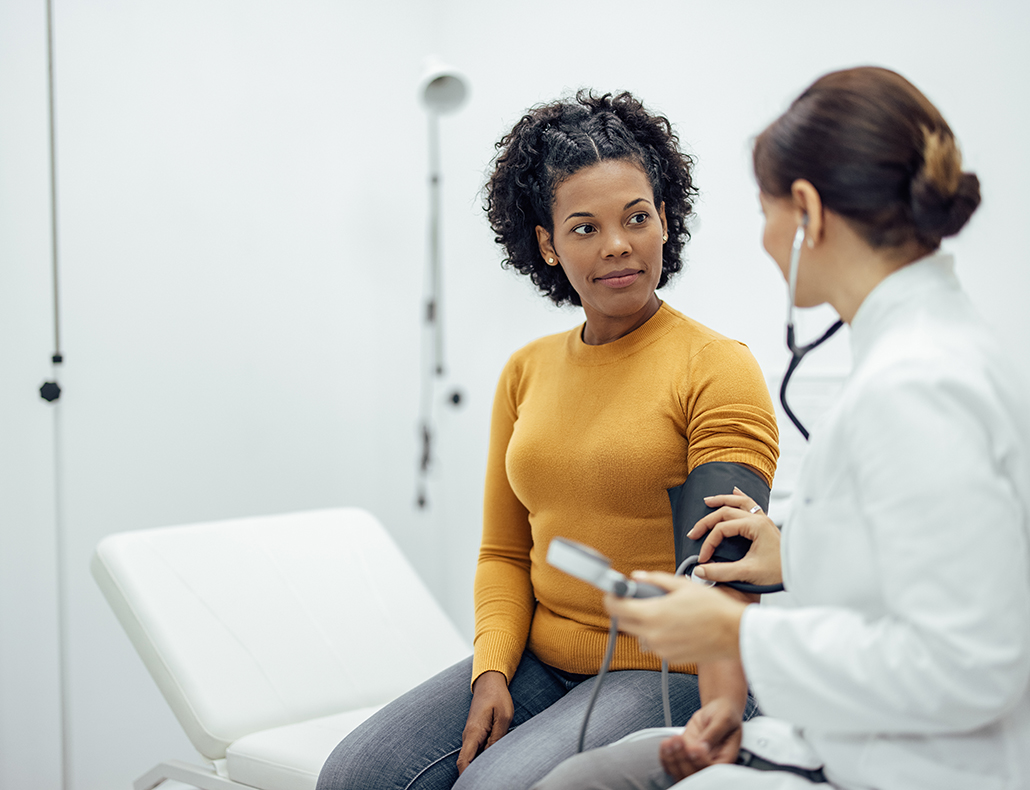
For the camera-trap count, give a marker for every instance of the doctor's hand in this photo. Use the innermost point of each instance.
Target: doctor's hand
(712, 736)
(761, 564)
(692, 623)
(489, 716)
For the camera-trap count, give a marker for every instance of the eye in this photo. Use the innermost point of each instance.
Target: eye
(639, 218)
(583, 229)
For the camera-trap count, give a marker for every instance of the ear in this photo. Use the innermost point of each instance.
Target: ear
(661, 214)
(546, 246)
(808, 203)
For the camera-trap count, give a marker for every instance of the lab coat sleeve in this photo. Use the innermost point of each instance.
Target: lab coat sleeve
(944, 644)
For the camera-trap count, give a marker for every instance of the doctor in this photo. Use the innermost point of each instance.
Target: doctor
(905, 663)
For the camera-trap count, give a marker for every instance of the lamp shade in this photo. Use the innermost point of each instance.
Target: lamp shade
(442, 88)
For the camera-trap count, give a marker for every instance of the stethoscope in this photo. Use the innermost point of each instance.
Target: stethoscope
(798, 352)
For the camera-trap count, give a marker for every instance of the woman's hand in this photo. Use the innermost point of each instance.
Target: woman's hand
(691, 624)
(489, 716)
(761, 565)
(711, 736)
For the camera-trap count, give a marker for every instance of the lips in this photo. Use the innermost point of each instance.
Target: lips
(620, 279)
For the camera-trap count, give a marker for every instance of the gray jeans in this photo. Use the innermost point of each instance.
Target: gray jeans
(413, 743)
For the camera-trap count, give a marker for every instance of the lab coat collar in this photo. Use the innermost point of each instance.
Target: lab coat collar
(892, 299)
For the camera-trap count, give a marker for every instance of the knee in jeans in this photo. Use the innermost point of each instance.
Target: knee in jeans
(571, 774)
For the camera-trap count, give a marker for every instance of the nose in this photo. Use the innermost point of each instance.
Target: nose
(615, 243)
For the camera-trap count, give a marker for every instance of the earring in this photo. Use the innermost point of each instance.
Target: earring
(665, 238)
(550, 261)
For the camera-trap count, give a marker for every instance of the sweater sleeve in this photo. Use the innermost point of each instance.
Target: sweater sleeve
(504, 599)
(730, 415)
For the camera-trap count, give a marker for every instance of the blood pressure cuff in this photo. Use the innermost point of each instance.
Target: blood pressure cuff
(688, 506)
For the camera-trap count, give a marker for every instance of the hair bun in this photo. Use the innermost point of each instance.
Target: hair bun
(943, 197)
(937, 215)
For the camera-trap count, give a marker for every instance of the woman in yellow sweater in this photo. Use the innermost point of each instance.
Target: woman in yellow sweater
(590, 430)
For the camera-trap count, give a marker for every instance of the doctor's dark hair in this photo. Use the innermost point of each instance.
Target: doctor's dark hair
(879, 154)
(552, 142)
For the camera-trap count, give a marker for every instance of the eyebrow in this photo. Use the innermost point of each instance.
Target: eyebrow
(588, 214)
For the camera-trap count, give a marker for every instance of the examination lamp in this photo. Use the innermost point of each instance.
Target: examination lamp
(442, 89)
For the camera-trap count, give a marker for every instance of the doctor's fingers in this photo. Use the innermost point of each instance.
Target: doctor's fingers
(690, 624)
(628, 607)
(737, 499)
(727, 510)
(650, 628)
(627, 612)
(739, 571)
(643, 617)
(735, 523)
(761, 565)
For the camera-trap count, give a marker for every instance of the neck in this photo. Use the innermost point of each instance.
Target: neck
(601, 329)
(856, 268)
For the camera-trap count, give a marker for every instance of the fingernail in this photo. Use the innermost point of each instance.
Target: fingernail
(700, 572)
(737, 490)
(709, 497)
(639, 574)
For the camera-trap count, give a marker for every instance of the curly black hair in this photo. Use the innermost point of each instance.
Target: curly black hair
(553, 141)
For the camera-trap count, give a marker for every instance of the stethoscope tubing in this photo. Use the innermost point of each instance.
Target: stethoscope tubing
(798, 352)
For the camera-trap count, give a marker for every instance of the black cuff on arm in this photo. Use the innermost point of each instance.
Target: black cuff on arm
(688, 507)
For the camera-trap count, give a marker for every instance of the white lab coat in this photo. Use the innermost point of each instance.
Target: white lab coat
(906, 661)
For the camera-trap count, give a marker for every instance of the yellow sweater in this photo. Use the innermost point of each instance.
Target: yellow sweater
(585, 441)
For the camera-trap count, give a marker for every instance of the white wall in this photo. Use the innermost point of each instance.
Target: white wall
(242, 207)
